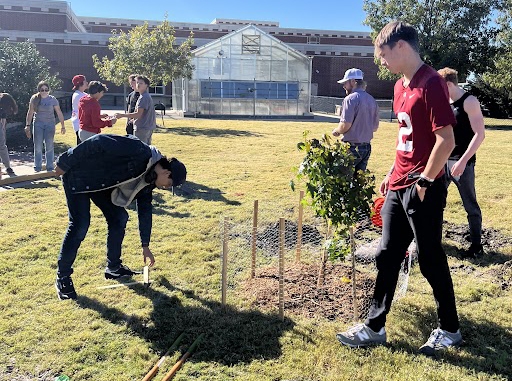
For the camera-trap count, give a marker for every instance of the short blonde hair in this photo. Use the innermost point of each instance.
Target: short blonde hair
(449, 75)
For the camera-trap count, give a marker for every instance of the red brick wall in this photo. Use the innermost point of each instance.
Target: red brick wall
(42, 22)
(327, 70)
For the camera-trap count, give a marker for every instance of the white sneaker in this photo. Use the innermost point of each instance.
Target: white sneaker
(441, 340)
(362, 336)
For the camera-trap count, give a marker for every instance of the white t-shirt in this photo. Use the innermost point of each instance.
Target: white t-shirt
(74, 113)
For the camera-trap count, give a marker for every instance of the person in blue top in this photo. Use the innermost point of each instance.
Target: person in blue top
(111, 171)
(41, 110)
(359, 118)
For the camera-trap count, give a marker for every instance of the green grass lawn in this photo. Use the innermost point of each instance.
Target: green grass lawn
(119, 334)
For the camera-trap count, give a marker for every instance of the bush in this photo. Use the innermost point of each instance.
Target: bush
(22, 67)
(496, 103)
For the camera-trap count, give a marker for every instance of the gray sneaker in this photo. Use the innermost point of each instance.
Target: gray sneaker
(440, 340)
(362, 336)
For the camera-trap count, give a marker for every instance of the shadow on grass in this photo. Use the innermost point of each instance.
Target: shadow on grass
(490, 258)
(195, 191)
(500, 127)
(231, 336)
(209, 132)
(487, 346)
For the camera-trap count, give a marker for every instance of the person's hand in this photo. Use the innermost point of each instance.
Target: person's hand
(59, 171)
(336, 132)
(113, 120)
(421, 192)
(104, 116)
(384, 186)
(148, 256)
(118, 115)
(458, 168)
(63, 130)
(28, 132)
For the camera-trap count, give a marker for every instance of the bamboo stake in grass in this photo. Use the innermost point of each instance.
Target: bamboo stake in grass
(177, 366)
(157, 366)
(224, 261)
(254, 236)
(299, 228)
(354, 285)
(281, 267)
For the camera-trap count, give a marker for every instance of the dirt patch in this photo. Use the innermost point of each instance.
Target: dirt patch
(502, 274)
(492, 239)
(302, 297)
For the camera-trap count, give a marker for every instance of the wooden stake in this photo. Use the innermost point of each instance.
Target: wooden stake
(224, 274)
(177, 366)
(254, 237)
(146, 276)
(354, 285)
(281, 267)
(157, 366)
(299, 228)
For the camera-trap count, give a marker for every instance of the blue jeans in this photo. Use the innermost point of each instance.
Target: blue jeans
(466, 185)
(79, 205)
(43, 133)
(361, 152)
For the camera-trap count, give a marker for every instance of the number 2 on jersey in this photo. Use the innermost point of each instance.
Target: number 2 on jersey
(404, 132)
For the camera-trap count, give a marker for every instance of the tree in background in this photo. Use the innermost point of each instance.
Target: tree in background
(148, 52)
(500, 74)
(21, 68)
(454, 33)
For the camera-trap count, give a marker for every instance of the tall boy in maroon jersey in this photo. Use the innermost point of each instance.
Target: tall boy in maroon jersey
(415, 191)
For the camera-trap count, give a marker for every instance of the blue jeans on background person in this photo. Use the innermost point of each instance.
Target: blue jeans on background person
(43, 133)
(466, 185)
(79, 205)
(361, 152)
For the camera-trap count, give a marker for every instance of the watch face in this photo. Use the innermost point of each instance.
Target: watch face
(423, 183)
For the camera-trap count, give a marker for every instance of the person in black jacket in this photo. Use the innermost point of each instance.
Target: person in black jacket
(111, 171)
(131, 101)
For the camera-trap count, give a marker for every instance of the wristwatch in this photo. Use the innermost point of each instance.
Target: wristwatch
(424, 181)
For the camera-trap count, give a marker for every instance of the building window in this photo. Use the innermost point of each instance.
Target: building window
(158, 89)
(313, 40)
(250, 44)
(249, 90)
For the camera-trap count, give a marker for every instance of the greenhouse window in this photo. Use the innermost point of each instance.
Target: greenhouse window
(250, 44)
(249, 90)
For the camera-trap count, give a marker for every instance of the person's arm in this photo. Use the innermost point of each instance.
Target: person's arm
(131, 115)
(61, 118)
(384, 185)
(28, 121)
(476, 119)
(443, 147)
(96, 120)
(342, 128)
(346, 118)
(145, 216)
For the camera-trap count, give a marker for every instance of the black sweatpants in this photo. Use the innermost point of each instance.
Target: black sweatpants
(405, 217)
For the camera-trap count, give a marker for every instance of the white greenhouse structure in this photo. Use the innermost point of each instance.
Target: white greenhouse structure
(246, 73)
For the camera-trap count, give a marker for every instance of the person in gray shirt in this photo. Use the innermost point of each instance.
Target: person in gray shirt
(359, 117)
(41, 110)
(144, 117)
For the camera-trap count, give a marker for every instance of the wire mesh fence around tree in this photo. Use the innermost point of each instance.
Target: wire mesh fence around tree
(272, 261)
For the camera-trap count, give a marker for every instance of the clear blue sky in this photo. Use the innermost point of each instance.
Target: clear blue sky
(312, 14)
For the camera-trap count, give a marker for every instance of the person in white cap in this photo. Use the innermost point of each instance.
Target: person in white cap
(359, 117)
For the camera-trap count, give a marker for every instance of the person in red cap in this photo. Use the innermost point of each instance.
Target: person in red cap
(80, 84)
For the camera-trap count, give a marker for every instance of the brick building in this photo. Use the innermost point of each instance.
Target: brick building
(68, 41)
